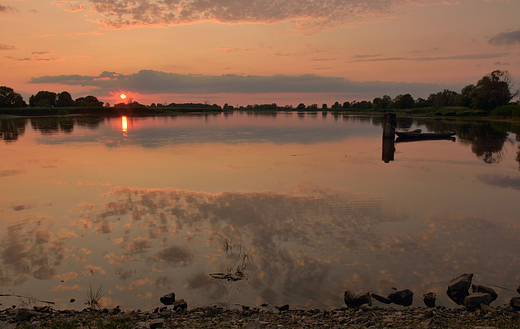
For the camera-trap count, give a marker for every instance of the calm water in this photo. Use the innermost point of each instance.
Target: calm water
(296, 208)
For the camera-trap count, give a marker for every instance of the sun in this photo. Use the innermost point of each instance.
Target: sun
(123, 96)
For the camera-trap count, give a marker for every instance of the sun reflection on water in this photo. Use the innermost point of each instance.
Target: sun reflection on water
(124, 124)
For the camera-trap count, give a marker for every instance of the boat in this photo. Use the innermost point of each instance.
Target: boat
(418, 135)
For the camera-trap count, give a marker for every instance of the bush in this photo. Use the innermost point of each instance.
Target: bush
(506, 111)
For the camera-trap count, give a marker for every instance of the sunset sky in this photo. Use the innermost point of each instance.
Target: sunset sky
(254, 51)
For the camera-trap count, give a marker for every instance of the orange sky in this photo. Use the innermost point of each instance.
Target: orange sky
(260, 51)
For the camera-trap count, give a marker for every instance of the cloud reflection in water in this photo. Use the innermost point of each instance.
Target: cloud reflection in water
(303, 248)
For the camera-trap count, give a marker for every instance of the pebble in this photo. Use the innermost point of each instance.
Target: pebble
(375, 317)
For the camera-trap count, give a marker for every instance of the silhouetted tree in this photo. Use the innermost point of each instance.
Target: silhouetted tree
(465, 96)
(492, 91)
(300, 106)
(444, 98)
(404, 101)
(88, 101)
(9, 98)
(64, 100)
(43, 99)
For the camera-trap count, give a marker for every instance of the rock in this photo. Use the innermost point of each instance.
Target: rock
(458, 288)
(180, 304)
(382, 299)
(485, 290)
(366, 308)
(515, 303)
(402, 297)
(168, 299)
(281, 308)
(429, 299)
(352, 300)
(43, 309)
(23, 314)
(487, 308)
(72, 300)
(473, 301)
(518, 289)
(159, 323)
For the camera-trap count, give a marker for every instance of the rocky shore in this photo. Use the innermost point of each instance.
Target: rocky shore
(246, 317)
(360, 312)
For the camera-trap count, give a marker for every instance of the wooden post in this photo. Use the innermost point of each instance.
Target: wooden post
(389, 125)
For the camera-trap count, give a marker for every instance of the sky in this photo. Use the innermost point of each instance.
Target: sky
(244, 52)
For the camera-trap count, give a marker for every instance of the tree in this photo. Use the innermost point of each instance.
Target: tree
(64, 100)
(493, 90)
(404, 101)
(43, 99)
(465, 95)
(9, 98)
(300, 106)
(89, 101)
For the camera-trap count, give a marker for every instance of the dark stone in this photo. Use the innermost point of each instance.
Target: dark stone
(352, 300)
(429, 299)
(264, 304)
(23, 314)
(515, 303)
(281, 308)
(382, 299)
(518, 289)
(485, 290)
(473, 301)
(168, 299)
(402, 297)
(155, 324)
(72, 300)
(43, 309)
(180, 304)
(458, 288)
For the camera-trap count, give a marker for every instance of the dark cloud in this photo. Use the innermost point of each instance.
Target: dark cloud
(501, 181)
(174, 256)
(506, 38)
(12, 172)
(374, 58)
(6, 47)
(154, 82)
(5, 9)
(308, 15)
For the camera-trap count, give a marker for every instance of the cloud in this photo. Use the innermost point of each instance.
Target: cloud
(6, 47)
(308, 15)
(154, 82)
(506, 38)
(374, 58)
(5, 9)
(501, 181)
(35, 59)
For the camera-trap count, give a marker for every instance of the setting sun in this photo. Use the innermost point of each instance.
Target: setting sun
(123, 96)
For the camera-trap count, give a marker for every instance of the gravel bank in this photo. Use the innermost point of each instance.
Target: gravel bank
(217, 317)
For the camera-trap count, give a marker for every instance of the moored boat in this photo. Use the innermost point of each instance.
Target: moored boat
(417, 135)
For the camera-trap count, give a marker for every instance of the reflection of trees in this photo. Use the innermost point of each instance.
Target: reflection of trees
(89, 121)
(486, 139)
(10, 129)
(48, 126)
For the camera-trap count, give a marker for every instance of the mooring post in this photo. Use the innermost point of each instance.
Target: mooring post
(389, 125)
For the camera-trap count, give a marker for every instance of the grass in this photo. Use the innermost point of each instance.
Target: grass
(94, 298)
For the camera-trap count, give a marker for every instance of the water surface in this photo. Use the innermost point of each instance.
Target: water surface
(292, 208)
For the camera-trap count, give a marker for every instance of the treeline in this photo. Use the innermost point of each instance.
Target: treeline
(492, 91)
(9, 98)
